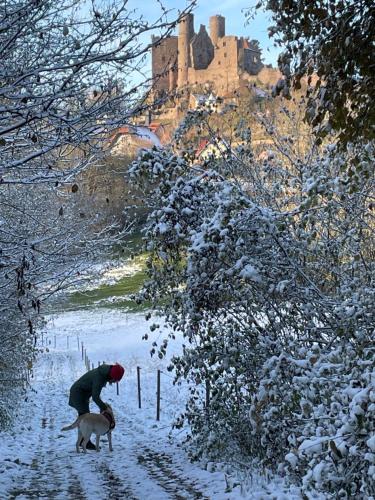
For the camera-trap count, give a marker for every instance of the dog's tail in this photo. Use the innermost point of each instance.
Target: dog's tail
(72, 426)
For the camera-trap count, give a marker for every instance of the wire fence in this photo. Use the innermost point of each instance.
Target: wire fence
(68, 343)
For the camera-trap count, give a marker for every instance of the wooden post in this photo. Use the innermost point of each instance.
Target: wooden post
(78, 342)
(207, 397)
(92, 366)
(82, 350)
(158, 397)
(139, 386)
(117, 389)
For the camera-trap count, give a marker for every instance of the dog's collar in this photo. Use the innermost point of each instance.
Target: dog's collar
(110, 419)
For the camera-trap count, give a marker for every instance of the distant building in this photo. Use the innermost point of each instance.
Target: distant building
(129, 140)
(190, 59)
(213, 148)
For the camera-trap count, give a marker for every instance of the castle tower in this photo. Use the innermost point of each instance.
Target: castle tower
(172, 78)
(217, 28)
(185, 34)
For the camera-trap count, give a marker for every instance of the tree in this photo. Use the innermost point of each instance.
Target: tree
(67, 80)
(330, 42)
(266, 268)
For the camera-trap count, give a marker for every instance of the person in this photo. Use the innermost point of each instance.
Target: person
(90, 385)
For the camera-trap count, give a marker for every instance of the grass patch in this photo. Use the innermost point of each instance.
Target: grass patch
(101, 296)
(116, 295)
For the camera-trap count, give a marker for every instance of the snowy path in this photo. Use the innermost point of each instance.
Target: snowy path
(148, 461)
(41, 462)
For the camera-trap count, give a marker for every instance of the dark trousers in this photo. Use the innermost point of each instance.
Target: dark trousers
(79, 400)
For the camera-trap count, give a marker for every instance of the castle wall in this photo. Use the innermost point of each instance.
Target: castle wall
(164, 56)
(268, 76)
(201, 49)
(220, 81)
(226, 54)
(222, 74)
(250, 60)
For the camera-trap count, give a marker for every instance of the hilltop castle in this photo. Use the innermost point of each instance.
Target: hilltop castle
(224, 62)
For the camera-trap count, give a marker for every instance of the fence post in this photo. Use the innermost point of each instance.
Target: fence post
(82, 350)
(139, 386)
(207, 397)
(78, 342)
(158, 397)
(117, 389)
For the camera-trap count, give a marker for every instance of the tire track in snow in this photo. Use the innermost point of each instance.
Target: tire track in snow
(47, 476)
(160, 467)
(38, 485)
(117, 489)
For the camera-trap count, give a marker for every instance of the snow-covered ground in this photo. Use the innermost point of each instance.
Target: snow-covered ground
(148, 460)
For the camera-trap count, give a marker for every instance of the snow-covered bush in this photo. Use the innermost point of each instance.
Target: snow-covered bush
(267, 269)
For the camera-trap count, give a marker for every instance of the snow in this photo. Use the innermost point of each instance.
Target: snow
(292, 459)
(249, 272)
(318, 471)
(371, 443)
(148, 460)
(312, 446)
(146, 133)
(108, 273)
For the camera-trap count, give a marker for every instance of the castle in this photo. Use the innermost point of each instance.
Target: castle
(223, 62)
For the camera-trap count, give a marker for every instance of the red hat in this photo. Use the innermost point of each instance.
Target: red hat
(116, 372)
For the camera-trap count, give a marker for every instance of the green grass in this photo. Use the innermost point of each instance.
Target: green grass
(119, 291)
(123, 288)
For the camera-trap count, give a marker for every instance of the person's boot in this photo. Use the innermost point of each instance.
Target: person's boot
(89, 445)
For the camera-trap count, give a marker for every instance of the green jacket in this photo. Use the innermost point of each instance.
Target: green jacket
(90, 385)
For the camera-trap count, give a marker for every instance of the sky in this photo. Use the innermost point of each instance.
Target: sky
(232, 10)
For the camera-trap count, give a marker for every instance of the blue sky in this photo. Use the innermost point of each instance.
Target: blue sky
(230, 9)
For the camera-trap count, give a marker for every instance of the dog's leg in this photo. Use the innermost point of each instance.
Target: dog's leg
(110, 440)
(79, 439)
(84, 443)
(97, 436)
